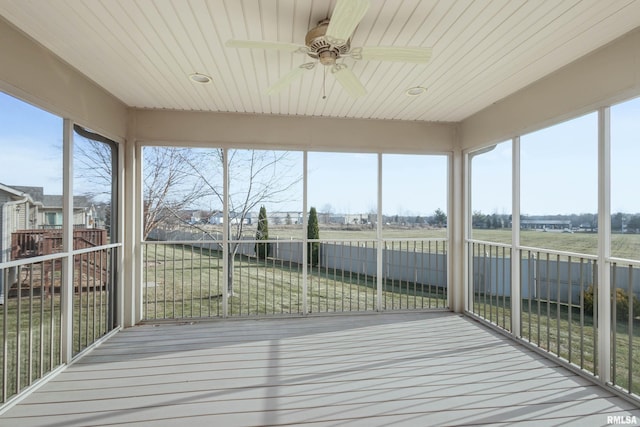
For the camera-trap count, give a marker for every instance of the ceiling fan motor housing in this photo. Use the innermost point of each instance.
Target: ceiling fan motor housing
(321, 48)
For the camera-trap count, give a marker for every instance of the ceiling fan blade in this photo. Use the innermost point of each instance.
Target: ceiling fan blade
(259, 44)
(345, 18)
(348, 80)
(417, 55)
(289, 78)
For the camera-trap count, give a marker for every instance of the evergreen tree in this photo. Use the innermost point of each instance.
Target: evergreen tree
(440, 218)
(263, 250)
(313, 232)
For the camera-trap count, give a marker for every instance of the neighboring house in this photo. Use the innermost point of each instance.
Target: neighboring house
(195, 216)
(84, 212)
(217, 218)
(18, 211)
(28, 208)
(49, 214)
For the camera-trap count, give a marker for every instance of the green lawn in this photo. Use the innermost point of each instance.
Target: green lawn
(30, 324)
(31, 337)
(184, 282)
(622, 245)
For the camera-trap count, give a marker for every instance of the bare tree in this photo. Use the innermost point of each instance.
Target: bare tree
(256, 177)
(171, 185)
(94, 164)
(176, 179)
(94, 171)
(168, 174)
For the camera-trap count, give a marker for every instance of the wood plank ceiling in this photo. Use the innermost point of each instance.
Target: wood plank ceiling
(143, 51)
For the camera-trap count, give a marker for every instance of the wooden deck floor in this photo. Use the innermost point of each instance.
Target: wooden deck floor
(419, 369)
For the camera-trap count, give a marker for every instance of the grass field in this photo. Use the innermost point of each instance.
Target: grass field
(622, 245)
(31, 325)
(625, 246)
(184, 282)
(32, 339)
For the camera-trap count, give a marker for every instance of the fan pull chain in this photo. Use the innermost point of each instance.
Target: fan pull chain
(324, 84)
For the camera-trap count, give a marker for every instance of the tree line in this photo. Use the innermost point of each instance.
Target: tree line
(620, 221)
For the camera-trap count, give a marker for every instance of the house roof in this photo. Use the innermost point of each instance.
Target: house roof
(36, 195)
(11, 190)
(483, 51)
(56, 201)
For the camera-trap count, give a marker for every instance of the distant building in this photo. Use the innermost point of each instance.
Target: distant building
(284, 218)
(195, 216)
(545, 224)
(217, 218)
(274, 218)
(339, 219)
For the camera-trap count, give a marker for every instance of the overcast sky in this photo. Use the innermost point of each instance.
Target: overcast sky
(559, 168)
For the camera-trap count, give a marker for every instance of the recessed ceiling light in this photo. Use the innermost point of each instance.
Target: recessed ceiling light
(415, 91)
(200, 78)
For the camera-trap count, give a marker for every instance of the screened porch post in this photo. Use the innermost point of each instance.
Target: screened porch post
(457, 195)
(604, 245)
(515, 238)
(132, 198)
(66, 300)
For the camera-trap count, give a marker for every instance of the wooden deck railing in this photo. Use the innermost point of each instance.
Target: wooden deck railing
(30, 243)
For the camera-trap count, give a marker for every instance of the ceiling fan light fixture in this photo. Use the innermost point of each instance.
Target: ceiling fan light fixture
(200, 78)
(327, 57)
(415, 91)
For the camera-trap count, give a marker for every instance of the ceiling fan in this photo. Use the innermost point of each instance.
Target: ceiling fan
(329, 41)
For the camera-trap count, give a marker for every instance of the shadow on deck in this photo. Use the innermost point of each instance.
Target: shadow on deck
(377, 369)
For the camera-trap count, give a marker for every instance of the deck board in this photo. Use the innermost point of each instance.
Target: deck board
(379, 369)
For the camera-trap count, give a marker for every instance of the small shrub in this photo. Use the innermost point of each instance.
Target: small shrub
(588, 301)
(622, 304)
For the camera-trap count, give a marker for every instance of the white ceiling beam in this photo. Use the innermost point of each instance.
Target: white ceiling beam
(292, 133)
